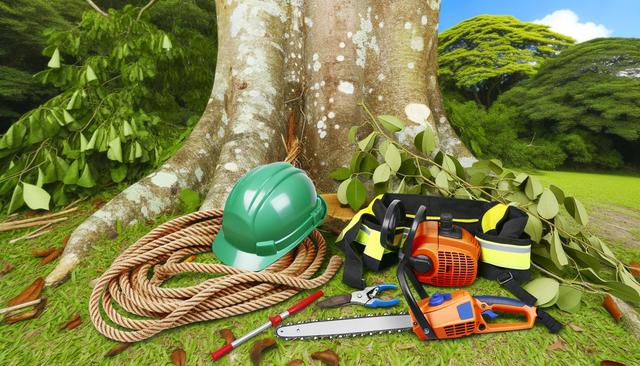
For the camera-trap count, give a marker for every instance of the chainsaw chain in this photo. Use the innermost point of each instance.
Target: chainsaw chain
(345, 335)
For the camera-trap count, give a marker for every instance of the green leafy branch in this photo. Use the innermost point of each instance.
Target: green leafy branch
(563, 248)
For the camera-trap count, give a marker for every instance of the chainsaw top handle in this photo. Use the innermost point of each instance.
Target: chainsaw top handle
(487, 304)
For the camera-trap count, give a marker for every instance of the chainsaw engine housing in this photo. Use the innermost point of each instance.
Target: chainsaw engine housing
(445, 254)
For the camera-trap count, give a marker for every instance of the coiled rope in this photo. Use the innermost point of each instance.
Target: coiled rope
(134, 280)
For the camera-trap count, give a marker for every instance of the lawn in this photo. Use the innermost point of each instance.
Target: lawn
(593, 336)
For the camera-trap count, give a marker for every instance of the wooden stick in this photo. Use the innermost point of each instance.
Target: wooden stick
(32, 235)
(40, 218)
(31, 224)
(19, 306)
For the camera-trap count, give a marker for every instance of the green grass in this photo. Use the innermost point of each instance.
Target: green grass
(597, 188)
(39, 341)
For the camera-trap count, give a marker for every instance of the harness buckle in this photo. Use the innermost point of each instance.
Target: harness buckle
(501, 280)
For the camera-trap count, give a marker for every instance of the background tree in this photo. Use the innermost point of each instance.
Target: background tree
(281, 61)
(484, 56)
(587, 101)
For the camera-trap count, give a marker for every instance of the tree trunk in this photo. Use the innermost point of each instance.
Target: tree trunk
(317, 59)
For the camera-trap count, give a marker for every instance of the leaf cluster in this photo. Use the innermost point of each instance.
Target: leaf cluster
(563, 247)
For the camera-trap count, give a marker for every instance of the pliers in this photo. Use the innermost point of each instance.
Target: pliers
(366, 297)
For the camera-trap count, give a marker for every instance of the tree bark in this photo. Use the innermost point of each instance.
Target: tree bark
(317, 59)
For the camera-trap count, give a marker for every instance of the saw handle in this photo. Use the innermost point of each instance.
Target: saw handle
(505, 305)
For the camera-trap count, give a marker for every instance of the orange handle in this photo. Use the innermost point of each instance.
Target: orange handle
(506, 305)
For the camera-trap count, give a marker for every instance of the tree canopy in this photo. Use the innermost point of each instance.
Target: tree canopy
(589, 99)
(486, 55)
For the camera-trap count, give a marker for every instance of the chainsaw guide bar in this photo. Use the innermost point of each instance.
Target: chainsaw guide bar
(346, 327)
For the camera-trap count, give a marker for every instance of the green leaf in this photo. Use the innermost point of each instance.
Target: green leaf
(126, 129)
(54, 62)
(74, 101)
(544, 289)
(425, 141)
(569, 299)
(119, 173)
(558, 255)
(115, 150)
(83, 143)
(442, 180)
(382, 173)
(342, 191)
(340, 174)
(621, 290)
(393, 158)
(548, 205)
(189, 199)
(72, 174)
(61, 167)
(368, 163)
(91, 75)
(391, 123)
(533, 188)
(86, 179)
(577, 210)
(448, 165)
(68, 118)
(138, 149)
(367, 143)
(402, 187)
(35, 197)
(534, 228)
(520, 178)
(166, 43)
(353, 131)
(16, 199)
(97, 135)
(356, 159)
(559, 193)
(356, 194)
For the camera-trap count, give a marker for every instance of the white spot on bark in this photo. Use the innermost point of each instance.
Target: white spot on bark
(417, 112)
(232, 167)
(417, 43)
(164, 179)
(330, 100)
(316, 62)
(381, 24)
(349, 34)
(323, 134)
(340, 58)
(407, 25)
(380, 97)
(331, 115)
(342, 45)
(308, 22)
(345, 87)
(361, 40)
(424, 20)
(443, 119)
(411, 65)
(221, 132)
(380, 77)
(434, 4)
(336, 126)
(243, 18)
(199, 173)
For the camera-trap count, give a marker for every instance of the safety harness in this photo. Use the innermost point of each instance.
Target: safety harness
(499, 228)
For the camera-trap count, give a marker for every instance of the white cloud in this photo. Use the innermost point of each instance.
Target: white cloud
(567, 22)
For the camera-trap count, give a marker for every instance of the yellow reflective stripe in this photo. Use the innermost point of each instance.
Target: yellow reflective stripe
(437, 218)
(492, 217)
(505, 255)
(356, 218)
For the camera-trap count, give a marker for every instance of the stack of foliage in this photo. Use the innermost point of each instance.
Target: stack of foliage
(486, 55)
(127, 89)
(563, 248)
(586, 102)
(21, 42)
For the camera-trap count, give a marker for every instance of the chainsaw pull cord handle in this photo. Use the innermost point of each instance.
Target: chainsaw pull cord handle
(405, 270)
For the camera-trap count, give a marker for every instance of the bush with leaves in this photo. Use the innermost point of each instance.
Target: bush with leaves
(563, 248)
(113, 71)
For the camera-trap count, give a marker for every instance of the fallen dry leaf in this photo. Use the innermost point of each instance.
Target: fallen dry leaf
(65, 240)
(335, 209)
(31, 293)
(190, 259)
(42, 252)
(634, 268)
(117, 349)
(259, 347)
(575, 327)
(227, 334)
(296, 362)
(72, 323)
(6, 268)
(611, 307)
(26, 315)
(559, 344)
(55, 254)
(179, 357)
(98, 202)
(611, 363)
(328, 357)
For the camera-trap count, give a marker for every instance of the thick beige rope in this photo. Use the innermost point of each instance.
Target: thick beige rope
(134, 280)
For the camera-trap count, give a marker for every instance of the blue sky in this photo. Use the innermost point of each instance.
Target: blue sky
(585, 19)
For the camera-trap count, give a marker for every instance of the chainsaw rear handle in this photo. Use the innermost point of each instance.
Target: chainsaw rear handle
(506, 305)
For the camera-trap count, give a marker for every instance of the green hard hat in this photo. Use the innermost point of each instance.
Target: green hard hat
(269, 211)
